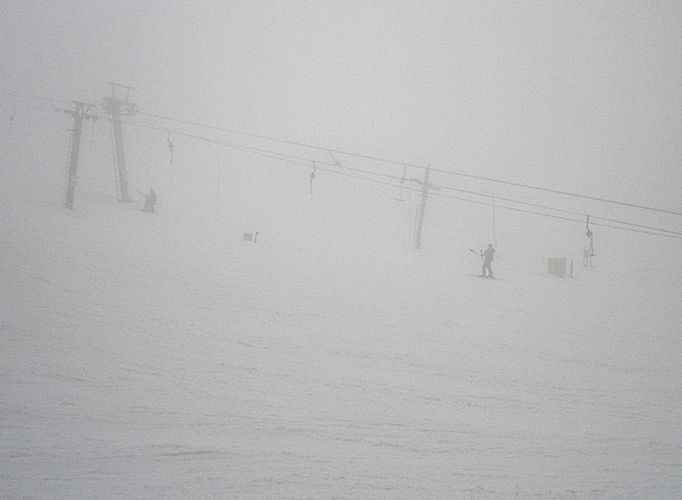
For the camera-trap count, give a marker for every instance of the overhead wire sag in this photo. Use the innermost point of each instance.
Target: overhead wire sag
(414, 165)
(331, 168)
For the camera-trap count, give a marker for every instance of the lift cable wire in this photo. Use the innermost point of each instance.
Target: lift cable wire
(402, 164)
(302, 162)
(546, 207)
(556, 191)
(413, 165)
(272, 155)
(305, 162)
(265, 152)
(653, 232)
(388, 161)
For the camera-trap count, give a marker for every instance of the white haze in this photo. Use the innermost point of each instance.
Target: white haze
(332, 358)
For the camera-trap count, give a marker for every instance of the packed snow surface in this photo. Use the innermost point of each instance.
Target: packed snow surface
(161, 356)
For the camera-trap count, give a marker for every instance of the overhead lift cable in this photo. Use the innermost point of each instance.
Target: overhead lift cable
(413, 165)
(262, 151)
(653, 231)
(306, 162)
(560, 210)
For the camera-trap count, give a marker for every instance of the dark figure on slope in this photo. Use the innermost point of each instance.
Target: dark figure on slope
(149, 201)
(487, 255)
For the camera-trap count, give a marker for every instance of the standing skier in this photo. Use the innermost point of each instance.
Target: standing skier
(149, 201)
(487, 271)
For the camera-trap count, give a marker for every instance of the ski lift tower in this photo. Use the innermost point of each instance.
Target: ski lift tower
(116, 106)
(426, 187)
(82, 112)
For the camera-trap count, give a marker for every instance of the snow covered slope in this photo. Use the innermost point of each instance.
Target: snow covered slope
(159, 356)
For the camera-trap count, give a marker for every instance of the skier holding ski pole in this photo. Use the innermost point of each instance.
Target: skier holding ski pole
(487, 259)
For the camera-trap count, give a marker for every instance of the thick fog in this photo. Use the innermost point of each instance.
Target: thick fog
(313, 125)
(572, 95)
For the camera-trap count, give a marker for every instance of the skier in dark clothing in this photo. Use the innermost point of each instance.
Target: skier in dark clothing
(487, 271)
(150, 201)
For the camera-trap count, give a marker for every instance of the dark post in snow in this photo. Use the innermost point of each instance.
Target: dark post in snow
(79, 114)
(115, 108)
(426, 186)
